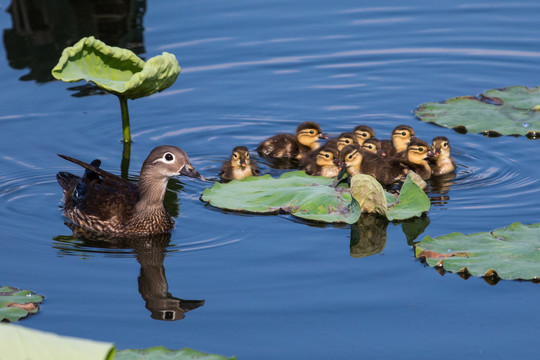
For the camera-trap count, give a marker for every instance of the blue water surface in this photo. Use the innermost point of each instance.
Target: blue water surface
(274, 287)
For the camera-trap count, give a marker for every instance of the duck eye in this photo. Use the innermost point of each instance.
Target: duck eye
(247, 156)
(168, 157)
(312, 132)
(445, 144)
(327, 155)
(420, 149)
(347, 141)
(349, 157)
(370, 147)
(404, 133)
(235, 155)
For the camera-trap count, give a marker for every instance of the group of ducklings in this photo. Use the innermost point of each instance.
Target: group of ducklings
(358, 152)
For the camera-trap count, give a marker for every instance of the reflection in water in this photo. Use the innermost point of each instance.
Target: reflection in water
(150, 253)
(413, 228)
(42, 29)
(438, 188)
(368, 235)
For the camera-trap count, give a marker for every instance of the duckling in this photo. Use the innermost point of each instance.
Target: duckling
(418, 152)
(239, 166)
(105, 203)
(291, 146)
(322, 162)
(373, 145)
(343, 140)
(359, 161)
(401, 135)
(442, 163)
(362, 133)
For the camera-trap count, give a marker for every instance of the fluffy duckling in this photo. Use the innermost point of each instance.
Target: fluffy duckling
(291, 146)
(401, 135)
(442, 163)
(105, 203)
(322, 162)
(343, 140)
(359, 161)
(239, 166)
(362, 133)
(418, 153)
(373, 145)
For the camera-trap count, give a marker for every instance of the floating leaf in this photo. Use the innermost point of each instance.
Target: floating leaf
(509, 111)
(160, 352)
(412, 201)
(16, 304)
(510, 253)
(301, 195)
(116, 70)
(369, 193)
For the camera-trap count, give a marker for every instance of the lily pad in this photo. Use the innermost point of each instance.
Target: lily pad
(301, 195)
(412, 201)
(509, 253)
(116, 70)
(16, 304)
(509, 111)
(160, 352)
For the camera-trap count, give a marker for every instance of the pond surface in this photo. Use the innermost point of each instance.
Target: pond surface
(273, 286)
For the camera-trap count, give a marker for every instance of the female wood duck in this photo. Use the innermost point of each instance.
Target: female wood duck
(322, 162)
(239, 166)
(373, 145)
(105, 203)
(343, 140)
(359, 161)
(441, 163)
(418, 153)
(401, 135)
(291, 146)
(362, 133)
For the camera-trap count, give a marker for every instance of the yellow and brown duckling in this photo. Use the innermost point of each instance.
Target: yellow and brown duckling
(322, 162)
(105, 203)
(418, 154)
(362, 133)
(441, 163)
(359, 161)
(401, 135)
(343, 140)
(291, 146)
(239, 166)
(373, 145)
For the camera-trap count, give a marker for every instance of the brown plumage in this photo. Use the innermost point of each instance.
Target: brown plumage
(359, 161)
(373, 145)
(291, 146)
(343, 140)
(105, 203)
(418, 153)
(322, 162)
(239, 166)
(362, 133)
(401, 135)
(441, 163)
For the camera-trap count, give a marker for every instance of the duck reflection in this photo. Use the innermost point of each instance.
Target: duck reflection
(368, 235)
(150, 253)
(42, 29)
(438, 188)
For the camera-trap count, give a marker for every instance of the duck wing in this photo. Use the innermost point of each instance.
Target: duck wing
(93, 168)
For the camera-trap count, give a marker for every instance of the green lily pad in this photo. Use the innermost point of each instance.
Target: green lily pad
(509, 253)
(116, 70)
(412, 202)
(509, 111)
(370, 194)
(21, 343)
(16, 304)
(301, 195)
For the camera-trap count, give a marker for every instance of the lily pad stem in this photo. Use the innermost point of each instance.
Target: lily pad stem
(125, 119)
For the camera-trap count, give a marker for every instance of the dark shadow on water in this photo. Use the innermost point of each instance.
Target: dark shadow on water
(368, 236)
(42, 29)
(150, 253)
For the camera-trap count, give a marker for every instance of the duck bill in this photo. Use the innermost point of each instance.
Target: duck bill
(190, 171)
(323, 136)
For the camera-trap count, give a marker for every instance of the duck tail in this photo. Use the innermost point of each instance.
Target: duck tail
(67, 180)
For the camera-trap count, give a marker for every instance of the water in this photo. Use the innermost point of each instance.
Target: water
(273, 286)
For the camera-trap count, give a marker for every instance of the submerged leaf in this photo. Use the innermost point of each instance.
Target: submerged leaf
(511, 253)
(160, 352)
(508, 111)
(16, 304)
(116, 70)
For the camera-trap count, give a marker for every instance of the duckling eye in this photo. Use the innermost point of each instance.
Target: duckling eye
(404, 133)
(168, 157)
(445, 144)
(235, 155)
(327, 155)
(350, 156)
(370, 147)
(347, 141)
(420, 149)
(312, 132)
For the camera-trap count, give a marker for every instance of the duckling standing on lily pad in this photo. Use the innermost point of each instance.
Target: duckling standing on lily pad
(441, 163)
(290, 146)
(106, 203)
(239, 166)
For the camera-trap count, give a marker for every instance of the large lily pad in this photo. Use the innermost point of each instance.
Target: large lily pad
(18, 342)
(314, 197)
(509, 253)
(510, 111)
(304, 196)
(16, 304)
(116, 70)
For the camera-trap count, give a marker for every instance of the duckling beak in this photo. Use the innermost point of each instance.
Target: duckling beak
(323, 136)
(190, 171)
(339, 164)
(380, 152)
